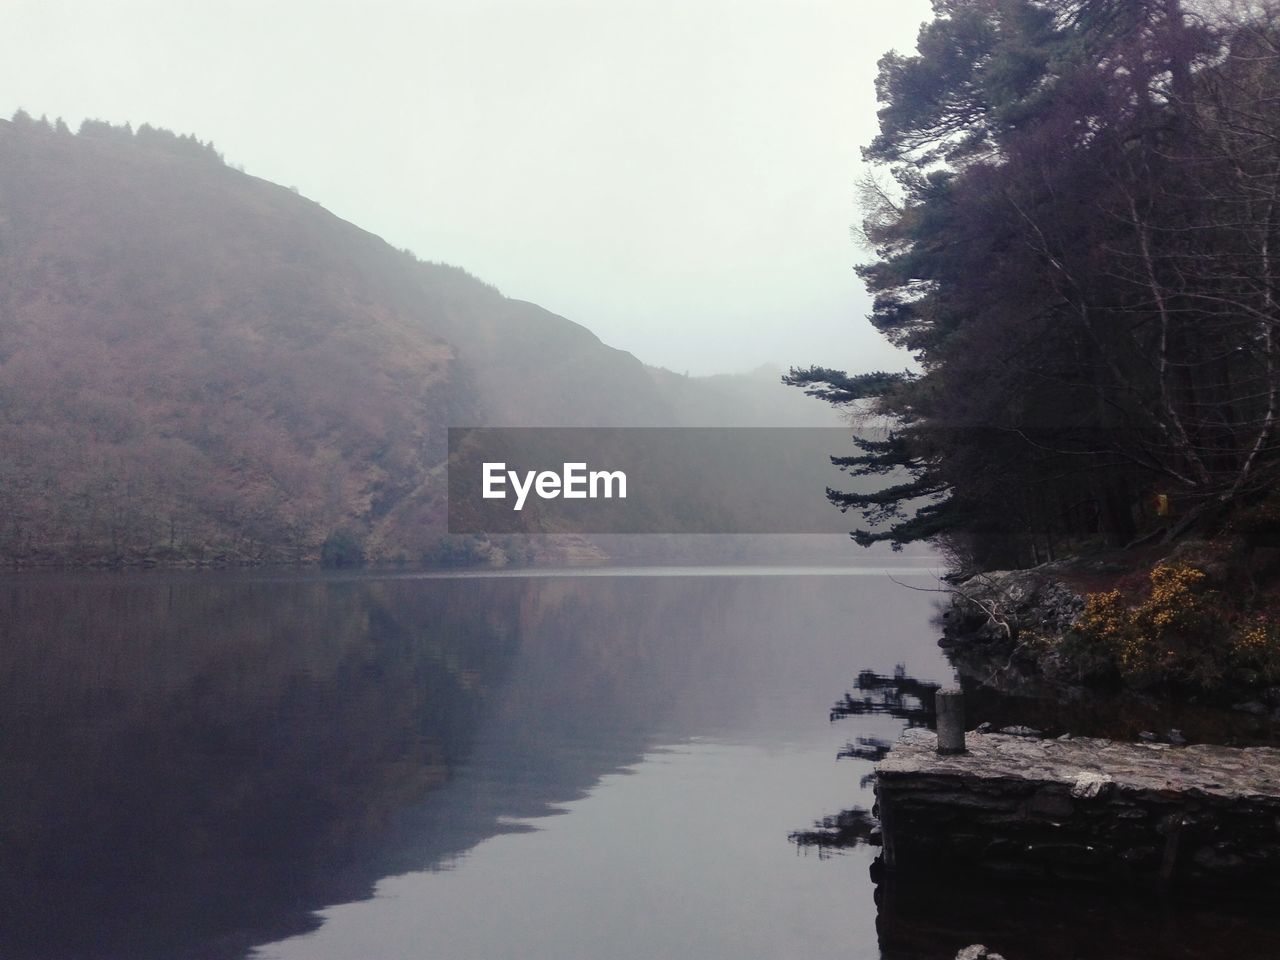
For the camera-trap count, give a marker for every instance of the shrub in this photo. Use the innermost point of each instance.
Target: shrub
(1180, 631)
(342, 548)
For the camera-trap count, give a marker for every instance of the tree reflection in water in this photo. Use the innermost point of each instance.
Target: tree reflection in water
(899, 696)
(931, 917)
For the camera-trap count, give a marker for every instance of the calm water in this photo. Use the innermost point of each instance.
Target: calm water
(465, 768)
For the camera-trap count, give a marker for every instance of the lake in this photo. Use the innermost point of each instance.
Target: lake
(548, 764)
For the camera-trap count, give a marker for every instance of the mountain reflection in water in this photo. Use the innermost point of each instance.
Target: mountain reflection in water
(192, 765)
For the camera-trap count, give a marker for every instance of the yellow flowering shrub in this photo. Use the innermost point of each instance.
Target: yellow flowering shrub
(1255, 648)
(1180, 630)
(1105, 617)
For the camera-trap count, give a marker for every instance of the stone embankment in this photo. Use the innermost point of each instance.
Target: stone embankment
(992, 616)
(1083, 808)
(997, 606)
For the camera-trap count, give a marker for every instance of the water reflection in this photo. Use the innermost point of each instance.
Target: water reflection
(191, 766)
(195, 763)
(930, 915)
(929, 918)
(899, 695)
(896, 695)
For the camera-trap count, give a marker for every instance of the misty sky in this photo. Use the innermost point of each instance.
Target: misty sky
(677, 176)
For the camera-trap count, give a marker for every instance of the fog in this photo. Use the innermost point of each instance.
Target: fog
(677, 176)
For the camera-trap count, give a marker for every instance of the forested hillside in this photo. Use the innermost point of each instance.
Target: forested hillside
(198, 365)
(1075, 230)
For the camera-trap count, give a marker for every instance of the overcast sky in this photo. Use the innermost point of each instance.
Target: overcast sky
(677, 176)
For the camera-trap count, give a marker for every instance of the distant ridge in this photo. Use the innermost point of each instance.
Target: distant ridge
(199, 366)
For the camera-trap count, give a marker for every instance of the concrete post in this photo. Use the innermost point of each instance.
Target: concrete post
(950, 713)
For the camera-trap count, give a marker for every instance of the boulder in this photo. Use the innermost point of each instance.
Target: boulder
(1001, 604)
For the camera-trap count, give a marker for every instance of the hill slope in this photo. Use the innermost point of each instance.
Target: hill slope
(198, 364)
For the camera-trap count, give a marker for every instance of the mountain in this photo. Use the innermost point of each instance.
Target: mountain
(197, 365)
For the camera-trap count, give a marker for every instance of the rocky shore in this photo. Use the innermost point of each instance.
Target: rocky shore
(1083, 808)
(1198, 623)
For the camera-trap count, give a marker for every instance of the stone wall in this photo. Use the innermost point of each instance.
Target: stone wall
(1083, 808)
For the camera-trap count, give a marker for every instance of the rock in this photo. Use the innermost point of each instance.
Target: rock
(977, 952)
(1176, 738)
(1217, 859)
(1021, 731)
(991, 607)
(1251, 706)
(984, 727)
(1173, 823)
(1090, 785)
(1049, 803)
(1148, 736)
(1191, 552)
(918, 736)
(1217, 573)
